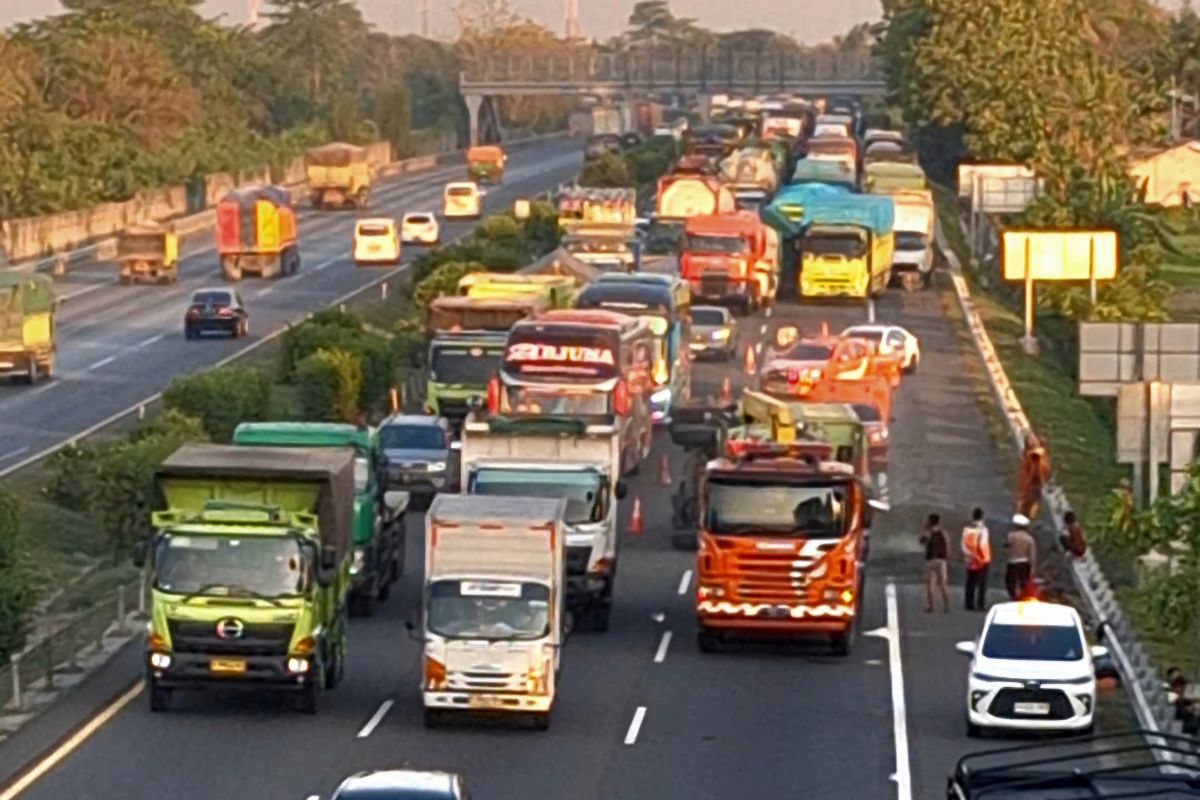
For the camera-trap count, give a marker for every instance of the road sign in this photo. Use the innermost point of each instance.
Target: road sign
(1115, 353)
(1070, 255)
(1007, 194)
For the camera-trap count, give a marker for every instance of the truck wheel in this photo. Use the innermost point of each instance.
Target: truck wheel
(598, 616)
(842, 643)
(708, 642)
(230, 269)
(385, 583)
(684, 541)
(362, 199)
(365, 604)
(433, 718)
(160, 698)
(308, 697)
(911, 369)
(336, 668)
(31, 371)
(541, 721)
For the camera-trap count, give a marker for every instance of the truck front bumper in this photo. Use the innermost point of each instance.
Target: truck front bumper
(855, 287)
(196, 670)
(503, 702)
(774, 618)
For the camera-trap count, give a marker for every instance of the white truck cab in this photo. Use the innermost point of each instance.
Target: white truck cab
(492, 610)
(570, 459)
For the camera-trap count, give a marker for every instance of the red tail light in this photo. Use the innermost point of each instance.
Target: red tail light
(493, 396)
(224, 312)
(621, 399)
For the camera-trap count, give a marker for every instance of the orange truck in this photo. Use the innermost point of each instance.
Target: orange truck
(732, 259)
(485, 164)
(256, 233)
(781, 545)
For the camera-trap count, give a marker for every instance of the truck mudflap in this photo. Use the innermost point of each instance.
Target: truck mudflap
(488, 702)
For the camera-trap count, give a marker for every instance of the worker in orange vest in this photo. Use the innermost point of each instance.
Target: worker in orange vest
(977, 551)
(1033, 476)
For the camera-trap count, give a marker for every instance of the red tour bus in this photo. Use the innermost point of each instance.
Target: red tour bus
(583, 364)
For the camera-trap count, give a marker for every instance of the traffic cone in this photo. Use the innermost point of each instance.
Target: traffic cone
(726, 392)
(750, 362)
(664, 473)
(635, 517)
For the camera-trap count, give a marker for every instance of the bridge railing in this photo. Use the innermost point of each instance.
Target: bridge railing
(666, 67)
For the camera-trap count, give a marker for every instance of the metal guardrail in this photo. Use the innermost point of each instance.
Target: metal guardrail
(1150, 702)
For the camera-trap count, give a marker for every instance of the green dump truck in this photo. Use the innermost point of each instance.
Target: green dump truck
(379, 524)
(249, 569)
(27, 306)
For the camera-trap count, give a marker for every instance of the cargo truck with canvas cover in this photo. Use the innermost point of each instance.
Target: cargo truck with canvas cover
(338, 175)
(568, 458)
(841, 149)
(847, 246)
(916, 219)
(752, 167)
(888, 177)
(583, 205)
(832, 173)
(249, 569)
(467, 336)
(550, 291)
(609, 247)
(492, 606)
(781, 548)
(27, 307)
(485, 164)
(731, 259)
(256, 233)
(379, 530)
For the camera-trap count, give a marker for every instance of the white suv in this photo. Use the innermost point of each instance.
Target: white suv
(1031, 670)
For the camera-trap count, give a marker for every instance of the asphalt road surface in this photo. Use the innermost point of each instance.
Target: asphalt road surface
(118, 344)
(642, 715)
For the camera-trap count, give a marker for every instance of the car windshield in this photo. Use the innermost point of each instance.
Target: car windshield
(715, 244)
(460, 191)
(472, 366)
(225, 566)
(580, 488)
(910, 241)
(417, 219)
(362, 474)
(412, 437)
(707, 316)
(810, 352)
(495, 611)
(662, 240)
(867, 412)
(374, 230)
(844, 246)
(212, 299)
(807, 512)
(1033, 642)
(556, 400)
(869, 334)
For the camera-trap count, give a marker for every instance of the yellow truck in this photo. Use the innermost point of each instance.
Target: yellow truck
(147, 253)
(848, 246)
(555, 291)
(27, 306)
(338, 175)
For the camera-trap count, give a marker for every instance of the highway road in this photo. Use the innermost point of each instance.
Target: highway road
(120, 344)
(642, 714)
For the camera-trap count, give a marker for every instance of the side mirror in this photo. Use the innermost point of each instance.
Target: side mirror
(140, 550)
(328, 559)
(879, 505)
(413, 633)
(1099, 651)
(396, 502)
(966, 648)
(456, 445)
(621, 490)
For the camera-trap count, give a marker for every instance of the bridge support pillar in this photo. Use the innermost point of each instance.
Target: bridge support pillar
(628, 115)
(704, 103)
(474, 103)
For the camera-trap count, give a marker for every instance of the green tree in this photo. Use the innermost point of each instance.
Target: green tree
(16, 593)
(320, 35)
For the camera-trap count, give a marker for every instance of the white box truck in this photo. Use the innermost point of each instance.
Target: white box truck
(493, 606)
(912, 263)
(566, 458)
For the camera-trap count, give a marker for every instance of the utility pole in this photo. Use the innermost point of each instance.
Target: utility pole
(252, 14)
(425, 19)
(571, 15)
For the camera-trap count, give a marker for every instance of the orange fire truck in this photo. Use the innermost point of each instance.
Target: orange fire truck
(781, 545)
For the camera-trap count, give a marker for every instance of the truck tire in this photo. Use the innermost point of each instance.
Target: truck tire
(308, 697)
(385, 584)
(842, 643)
(708, 642)
(31, 371)
(685, 541)
(160, 698)
(541, 721)
(432, 718)
(911, 369)
(365, 604)
(231, 270)
(335, 670)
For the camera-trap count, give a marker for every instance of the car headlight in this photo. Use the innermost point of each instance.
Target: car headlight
(661, 396)
(720, 335)
(360, 561)
(436, 466)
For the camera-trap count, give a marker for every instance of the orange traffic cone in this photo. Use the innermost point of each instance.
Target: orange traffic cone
(750, 362)
(726, 392)
(635, 517)
(664, 473)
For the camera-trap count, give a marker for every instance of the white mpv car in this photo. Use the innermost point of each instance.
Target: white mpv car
(1031, 670)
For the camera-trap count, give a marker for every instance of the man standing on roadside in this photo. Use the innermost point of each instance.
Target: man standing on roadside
(937, 552)
(1022, 557)
(977, 551)
(1032, 477)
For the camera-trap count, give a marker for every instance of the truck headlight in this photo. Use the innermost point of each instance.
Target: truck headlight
(360, 561)
(436, 466)
(720, 335)
(297, 665)
(710, 591)
(160, 660)
(537, 681)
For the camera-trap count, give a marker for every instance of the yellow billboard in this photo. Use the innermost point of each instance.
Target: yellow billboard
(1058, 255)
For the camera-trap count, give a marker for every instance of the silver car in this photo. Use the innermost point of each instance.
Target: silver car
(714, 332)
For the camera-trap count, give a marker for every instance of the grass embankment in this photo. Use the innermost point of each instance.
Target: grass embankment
(1079, 432)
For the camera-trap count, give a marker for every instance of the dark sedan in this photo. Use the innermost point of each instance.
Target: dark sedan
(216, 311)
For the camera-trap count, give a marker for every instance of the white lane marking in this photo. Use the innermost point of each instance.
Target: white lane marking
(374, 721)
(13, 453)
(763, 330)
(769, 310)
(685, 581)
(635, 725)
(266, 291)
(902, 776)
(313, 797)
(82, 292)
(56, 756)
(104, 362)
(158, 337)
(661, 654)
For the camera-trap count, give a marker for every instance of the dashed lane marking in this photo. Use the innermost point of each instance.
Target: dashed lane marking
(661, 654)
(377, 718)
(685, 581)
(635, 726)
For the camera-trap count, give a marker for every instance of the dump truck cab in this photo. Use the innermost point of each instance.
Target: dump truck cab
(731, 259)
(338, 175)
(256, 233)
(249, 569)
(379, 530)
(485, 164)
(27, 307)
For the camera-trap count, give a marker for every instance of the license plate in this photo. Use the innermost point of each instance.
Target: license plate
(483, 701)
(1032, 708)
(227, 666)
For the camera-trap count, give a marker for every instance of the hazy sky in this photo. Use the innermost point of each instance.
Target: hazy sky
(808, 20)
